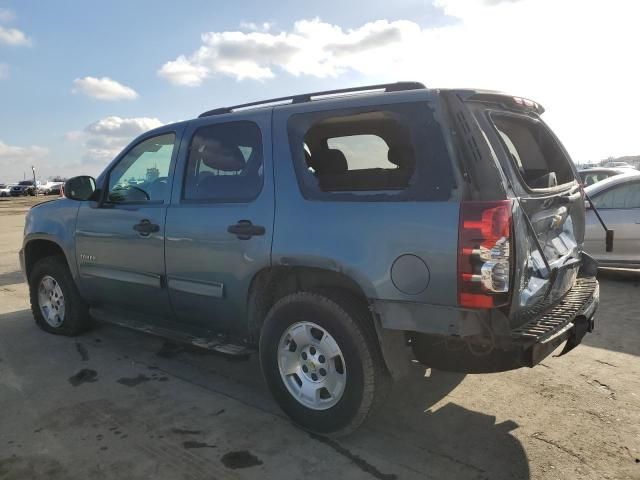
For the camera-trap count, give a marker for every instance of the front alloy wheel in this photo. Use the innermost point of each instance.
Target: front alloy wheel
(51, 301)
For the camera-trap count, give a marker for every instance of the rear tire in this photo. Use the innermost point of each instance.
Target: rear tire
(343, 342)
(55, 301)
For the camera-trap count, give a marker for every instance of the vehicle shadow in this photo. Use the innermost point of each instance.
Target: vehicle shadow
(422, 425)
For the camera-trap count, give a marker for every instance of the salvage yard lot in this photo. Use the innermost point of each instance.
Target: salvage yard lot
(116, 404)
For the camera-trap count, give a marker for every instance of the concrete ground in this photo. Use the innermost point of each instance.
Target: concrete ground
(116, 404)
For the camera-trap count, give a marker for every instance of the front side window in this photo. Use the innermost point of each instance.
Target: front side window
(535, 153)
(225, 163)
(394, 152)
(620, 196)
(143, 174)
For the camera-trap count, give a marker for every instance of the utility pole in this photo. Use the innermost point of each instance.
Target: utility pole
(35, 184)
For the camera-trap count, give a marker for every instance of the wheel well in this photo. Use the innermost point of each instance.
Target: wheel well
(271, 284)
(36, 250)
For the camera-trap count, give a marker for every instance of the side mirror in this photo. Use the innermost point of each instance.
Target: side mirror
(80, 188)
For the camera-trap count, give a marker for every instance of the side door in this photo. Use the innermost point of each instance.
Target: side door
(219, 224)
(120, 240)
(619, 207)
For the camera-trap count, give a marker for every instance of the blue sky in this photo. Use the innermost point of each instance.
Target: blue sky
(60, 126)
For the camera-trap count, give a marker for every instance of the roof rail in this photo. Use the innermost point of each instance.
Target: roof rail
(307, 97)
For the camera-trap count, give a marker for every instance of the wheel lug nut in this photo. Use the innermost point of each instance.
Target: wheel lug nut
(304, 355)
(323, 372)
(305, 369)
(321, 358)
(314, 377)
(312, 350)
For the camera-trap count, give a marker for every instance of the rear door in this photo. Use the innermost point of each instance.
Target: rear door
(619, 207)
(220, 222)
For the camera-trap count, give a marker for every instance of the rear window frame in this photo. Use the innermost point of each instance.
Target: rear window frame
(491, 112)
(436, 152)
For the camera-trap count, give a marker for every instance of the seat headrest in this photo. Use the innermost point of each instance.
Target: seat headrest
(218, 156)
(330, 161)
(402, 156)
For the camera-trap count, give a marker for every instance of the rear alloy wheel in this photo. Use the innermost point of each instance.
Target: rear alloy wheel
(312, 366)
(322, 362)
(55, 301)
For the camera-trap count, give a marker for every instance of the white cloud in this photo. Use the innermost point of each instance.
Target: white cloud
(103, 89)
(6, 15)
(9, 153)
(313, 48)
(13, 37)
(105, 138)
(183, 72)
(123, 127)
(577, 58)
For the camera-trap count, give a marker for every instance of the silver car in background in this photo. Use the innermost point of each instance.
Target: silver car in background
(591, 176)
(618, 200)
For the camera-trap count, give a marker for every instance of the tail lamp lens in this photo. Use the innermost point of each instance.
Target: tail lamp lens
(484, 254)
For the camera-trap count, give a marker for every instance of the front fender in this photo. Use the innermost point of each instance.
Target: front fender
(54, 222)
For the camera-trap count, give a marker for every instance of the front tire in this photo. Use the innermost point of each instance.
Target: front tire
(322, 362)
(55, 301)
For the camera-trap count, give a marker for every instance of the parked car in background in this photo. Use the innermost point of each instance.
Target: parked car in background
(340, 236)
(50, 188)
(5, 190)
(619, 165)
(595, 175)
(24, 188)
(618, 201)
(585, 166)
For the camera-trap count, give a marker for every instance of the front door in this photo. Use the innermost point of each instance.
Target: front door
(219, 224)
(120, 240)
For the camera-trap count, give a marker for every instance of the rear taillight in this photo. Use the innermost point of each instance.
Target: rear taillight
(484, 254)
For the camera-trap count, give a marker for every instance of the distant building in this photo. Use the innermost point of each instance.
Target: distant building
(152, 174)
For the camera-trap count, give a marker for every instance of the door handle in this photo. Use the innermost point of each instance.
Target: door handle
(244, 229)
(145, 227)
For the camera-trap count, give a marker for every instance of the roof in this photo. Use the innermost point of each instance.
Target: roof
(309, 97)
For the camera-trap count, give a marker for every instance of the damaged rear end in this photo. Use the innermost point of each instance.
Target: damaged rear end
(523, 278)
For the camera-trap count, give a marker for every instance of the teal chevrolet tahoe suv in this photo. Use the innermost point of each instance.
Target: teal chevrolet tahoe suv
(341, 235)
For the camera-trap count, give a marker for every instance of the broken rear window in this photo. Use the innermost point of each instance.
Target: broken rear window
(536, 154)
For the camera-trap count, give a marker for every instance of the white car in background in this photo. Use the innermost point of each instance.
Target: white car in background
(50, 188)
(618, 200)
(5, 190)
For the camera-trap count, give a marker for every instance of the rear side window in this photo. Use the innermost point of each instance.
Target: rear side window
(392, 152)
(620, 196)
(225, 163)
(536, 154)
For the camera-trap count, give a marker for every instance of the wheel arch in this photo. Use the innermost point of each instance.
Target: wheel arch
(37, 248)
(272, 283)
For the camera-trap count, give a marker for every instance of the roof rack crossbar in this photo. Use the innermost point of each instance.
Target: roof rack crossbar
(307, 97)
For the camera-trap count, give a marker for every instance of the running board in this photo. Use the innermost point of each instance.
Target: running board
(221, 344)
